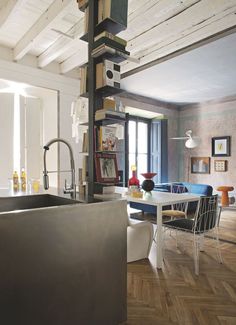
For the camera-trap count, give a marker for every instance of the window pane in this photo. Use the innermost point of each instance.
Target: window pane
(132, 136)
(131, 162)
(142, 166)
(142, 137)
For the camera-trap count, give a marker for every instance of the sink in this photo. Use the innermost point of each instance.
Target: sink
(33, 202)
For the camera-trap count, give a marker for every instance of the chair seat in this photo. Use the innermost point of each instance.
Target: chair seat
(181, 224)
(185, 225)
(174, 213)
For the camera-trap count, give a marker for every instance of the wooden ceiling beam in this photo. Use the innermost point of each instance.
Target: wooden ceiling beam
(42, 24)
(76, 60)
(7, 6)
(61, 45)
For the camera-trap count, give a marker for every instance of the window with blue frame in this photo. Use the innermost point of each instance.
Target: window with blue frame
(147, 147)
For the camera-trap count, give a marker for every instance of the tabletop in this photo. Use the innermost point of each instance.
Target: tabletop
(164, 198)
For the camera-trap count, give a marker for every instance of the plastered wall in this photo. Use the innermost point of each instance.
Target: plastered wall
(209, 120)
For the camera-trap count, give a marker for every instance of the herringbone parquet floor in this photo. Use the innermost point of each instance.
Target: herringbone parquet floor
(176, 295)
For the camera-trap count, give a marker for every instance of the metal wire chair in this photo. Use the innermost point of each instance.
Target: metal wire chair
(206, 219)
(178, 210)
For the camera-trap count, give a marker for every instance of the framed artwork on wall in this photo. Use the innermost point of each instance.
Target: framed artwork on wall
(220, 165)
(200, 165)
(220, 146)
(106, 168)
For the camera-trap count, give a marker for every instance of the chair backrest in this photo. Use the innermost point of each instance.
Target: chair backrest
(179, 189)
(206, 217)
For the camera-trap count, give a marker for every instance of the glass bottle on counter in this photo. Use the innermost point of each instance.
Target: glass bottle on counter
(15, 178)
(23, 180)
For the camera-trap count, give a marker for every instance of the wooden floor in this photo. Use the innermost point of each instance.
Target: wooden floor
(176, 295)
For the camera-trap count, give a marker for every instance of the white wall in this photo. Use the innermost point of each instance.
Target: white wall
(48, 123)
(68, 89)
(32, 135)
(6, 138)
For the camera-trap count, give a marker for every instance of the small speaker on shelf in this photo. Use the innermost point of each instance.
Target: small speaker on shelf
(107, 74)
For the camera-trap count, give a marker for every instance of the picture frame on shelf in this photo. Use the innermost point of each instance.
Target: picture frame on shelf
(221, 146)
(106, 168)
(220, 165)
(200, 165)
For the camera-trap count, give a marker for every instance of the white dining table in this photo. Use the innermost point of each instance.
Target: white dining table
(161, 199)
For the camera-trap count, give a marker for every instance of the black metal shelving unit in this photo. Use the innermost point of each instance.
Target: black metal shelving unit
(95, 96)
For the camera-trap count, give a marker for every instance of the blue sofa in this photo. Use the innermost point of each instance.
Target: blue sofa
(201, 189)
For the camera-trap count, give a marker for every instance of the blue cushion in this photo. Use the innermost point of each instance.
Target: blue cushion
(201, 189)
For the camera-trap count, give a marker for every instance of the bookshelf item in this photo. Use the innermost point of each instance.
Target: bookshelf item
(86, 19)
(108, 42)
(220, 165)
(107, 138)
(110, 53)
(85, 142)
(83, 80)
(82, 4)
(107, 74)
(114, 10)
(85, 169)
(108, 114)
(109, 37)
(109, 104)
(106, 168)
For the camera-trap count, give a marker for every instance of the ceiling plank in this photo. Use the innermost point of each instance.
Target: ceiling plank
(42, 24)
(182, 31)
(61, 45)
(7, 6)
(222, 27)
(77, 59)
(152, 14)
(193, 16)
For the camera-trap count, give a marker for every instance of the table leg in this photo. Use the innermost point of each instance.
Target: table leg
(159, 237)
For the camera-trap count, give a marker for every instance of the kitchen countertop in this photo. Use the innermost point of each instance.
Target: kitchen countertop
(6, 192)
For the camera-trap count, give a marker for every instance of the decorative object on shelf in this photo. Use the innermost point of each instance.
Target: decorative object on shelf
(133, 181)
(225, 196)
(107, 138)
(221, 146)
(82, 4)
(148, 184)
(220, 165)
(106, 168)
(107, 74)
(83, 80)
(200, 165)
(109, 39)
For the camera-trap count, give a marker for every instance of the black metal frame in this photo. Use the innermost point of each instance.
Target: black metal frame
(95, 97)
(228, 146)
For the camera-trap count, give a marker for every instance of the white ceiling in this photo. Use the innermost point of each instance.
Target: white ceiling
(206, 73)
(156, 29)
